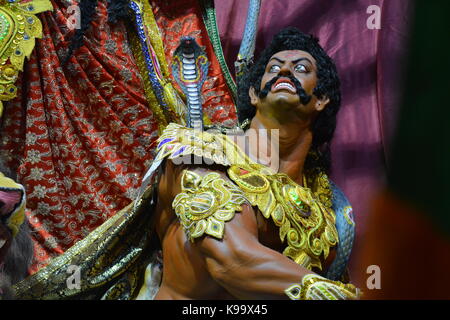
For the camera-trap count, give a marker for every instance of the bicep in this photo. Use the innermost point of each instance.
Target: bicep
(243, 266)
(236, 259)
(240, 237)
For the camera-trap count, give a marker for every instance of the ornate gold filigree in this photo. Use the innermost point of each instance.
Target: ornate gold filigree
(314, 287)
(304, 215)
(305, 222)
(177, 141)
(206, 203)
(19, 26)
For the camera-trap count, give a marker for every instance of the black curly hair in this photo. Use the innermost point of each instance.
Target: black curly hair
(328, 85)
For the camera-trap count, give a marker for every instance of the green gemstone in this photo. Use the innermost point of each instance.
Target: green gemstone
(294, 196)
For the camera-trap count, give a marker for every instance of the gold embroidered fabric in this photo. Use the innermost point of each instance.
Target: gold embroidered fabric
(303, 214)
(206, 203)
(314, 287)
(19, 26)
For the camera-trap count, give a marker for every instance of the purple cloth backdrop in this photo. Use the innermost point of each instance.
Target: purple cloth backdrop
(369, 63)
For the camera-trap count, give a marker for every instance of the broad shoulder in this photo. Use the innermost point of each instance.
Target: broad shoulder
(203, 199)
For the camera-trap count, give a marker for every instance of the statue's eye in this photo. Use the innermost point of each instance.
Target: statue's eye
(274, 68)
(300, 68)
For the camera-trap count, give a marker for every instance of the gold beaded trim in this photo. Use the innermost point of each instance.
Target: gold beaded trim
(177, 108)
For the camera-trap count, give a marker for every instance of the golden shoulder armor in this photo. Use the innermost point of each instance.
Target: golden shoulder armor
(205, 203)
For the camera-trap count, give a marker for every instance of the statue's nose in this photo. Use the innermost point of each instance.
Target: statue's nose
(285, 70)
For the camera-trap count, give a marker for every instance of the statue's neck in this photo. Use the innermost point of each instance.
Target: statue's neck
(293, 140)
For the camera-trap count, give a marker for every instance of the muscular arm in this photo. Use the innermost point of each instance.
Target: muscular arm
(235, 261)
(243, 266)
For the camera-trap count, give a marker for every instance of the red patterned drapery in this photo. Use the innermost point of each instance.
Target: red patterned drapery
(81, 135)
(78, 135)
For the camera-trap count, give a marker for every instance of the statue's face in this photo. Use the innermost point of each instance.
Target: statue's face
(12, 212)
(300, 64)
(287, 87)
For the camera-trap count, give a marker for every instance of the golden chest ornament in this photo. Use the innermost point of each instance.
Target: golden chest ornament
(304, 215)
(305, 219)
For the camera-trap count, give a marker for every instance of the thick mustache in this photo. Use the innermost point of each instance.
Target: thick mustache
(304, 97)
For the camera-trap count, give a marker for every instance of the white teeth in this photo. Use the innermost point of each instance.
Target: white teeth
(285, 85)
(2, 242)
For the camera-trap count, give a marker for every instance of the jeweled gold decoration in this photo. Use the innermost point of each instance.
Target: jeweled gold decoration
(19, 26)
(303, 214)
(314, 287)
(206, 203)
(305, 222)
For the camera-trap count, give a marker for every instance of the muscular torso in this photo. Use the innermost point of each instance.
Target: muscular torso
(185, 271)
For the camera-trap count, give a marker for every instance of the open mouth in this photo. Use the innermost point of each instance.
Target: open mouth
(284, 84)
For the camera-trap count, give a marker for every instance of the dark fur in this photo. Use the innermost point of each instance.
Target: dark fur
(6, 292)
(17, 261)
(328, 85)
(19, 256)
(7, 171)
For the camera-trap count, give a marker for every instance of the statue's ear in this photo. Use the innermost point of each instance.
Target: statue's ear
(321, 103)
(254, 99)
